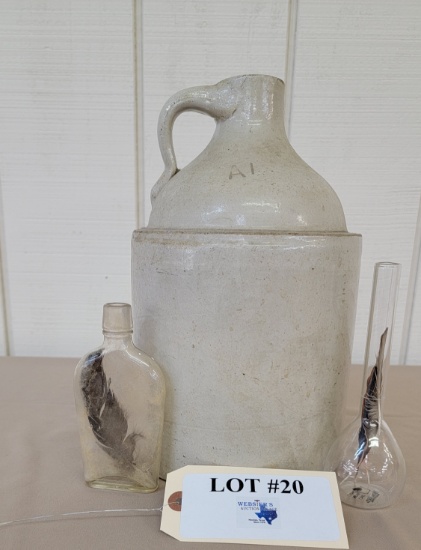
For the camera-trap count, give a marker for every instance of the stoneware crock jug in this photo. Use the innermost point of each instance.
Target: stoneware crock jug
(244, 288)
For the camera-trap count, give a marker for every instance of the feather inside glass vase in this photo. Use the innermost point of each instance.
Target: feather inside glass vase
(366, 457)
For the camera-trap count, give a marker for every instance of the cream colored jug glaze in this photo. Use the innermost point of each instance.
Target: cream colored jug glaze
(244, 288)
(248, 176)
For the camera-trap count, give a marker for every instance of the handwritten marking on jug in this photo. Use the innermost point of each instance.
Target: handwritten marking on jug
(235, 171)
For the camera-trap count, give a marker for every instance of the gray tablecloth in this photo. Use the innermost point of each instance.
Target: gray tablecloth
(41, 470)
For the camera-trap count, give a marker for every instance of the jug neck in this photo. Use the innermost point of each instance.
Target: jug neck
(259, 103)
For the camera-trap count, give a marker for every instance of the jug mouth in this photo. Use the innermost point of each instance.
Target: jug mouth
(254, 76)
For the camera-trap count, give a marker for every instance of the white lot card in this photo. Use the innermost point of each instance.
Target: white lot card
(254, 506)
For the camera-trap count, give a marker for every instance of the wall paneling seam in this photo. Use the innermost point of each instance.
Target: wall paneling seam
(290, 63)
(412, 287)
(3, 292)
(138, 112)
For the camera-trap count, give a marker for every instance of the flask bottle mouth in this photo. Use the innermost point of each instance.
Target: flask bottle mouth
(117, 318)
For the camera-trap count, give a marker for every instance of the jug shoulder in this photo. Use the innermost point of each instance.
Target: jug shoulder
(248, 190)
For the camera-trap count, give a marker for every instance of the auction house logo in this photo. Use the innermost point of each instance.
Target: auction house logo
(256, 512)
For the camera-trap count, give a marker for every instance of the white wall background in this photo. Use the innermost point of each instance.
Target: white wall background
(81, 86)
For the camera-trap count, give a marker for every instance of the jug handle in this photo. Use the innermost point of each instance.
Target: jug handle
(209, 100)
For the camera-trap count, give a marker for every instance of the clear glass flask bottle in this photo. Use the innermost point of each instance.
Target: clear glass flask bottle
(119, 395)
(366, 457)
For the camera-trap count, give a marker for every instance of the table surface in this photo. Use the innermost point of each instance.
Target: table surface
(41, 470)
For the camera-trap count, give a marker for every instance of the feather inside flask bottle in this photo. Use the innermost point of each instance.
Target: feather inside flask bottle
(119, 396)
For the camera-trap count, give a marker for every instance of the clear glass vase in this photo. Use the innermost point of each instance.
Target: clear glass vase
(119, 395)
(367, 460)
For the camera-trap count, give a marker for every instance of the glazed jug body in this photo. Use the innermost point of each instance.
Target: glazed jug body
(244, 288)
